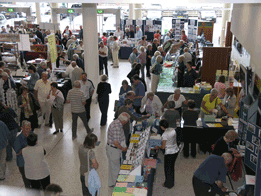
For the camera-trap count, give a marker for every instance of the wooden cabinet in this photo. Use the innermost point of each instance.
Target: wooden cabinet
(214, 58)
(229, 35)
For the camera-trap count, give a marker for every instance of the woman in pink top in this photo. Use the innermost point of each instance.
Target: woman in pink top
(142, 58)
(220, 86)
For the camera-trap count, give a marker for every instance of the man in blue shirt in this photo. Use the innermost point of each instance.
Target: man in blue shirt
(20, 143)
(128, 95)
(3, 143)
(139, 93)
(209, 177)
(138, 34)
(133, 57)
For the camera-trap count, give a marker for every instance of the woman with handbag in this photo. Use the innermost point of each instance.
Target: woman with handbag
(156, 69)
(29, 105)
(209, 104)
(87, 160)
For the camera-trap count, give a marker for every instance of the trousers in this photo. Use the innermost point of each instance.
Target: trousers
(88, 108)
(2, 163)
(46, 110)
(103, 61)
(154, 82)
(27, 183)
(114, 164)
(42, 183)
(169, 169)
(74, 122)
(58, 118)
(103, 105)
(85, 190)
(11, 139)
(115, 57)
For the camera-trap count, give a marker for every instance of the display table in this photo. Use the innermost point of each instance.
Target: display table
(125, 52)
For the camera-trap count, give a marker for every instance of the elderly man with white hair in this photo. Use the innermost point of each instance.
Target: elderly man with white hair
(116, 144)
(151, 103)
(42, 90)
(76, 72)
(77, 100)
(42, 68)
(78, 61)
(70, 41)
(138, 34)
(209, 104)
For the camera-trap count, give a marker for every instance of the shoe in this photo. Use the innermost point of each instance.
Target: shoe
(1, 179)
(166, 186)
(74, 137)
(55, 132)
(61, 130)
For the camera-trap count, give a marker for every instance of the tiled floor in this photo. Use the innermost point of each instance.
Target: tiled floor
(62, 152)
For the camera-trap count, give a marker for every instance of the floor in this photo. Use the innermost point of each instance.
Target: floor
(62, 153)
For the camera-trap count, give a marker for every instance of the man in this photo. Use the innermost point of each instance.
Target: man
(103, 60)
(68, 73)
(42, 90)
(77, 100)
(43, 68)
(209, 177)
(61, 59)
(116, 144)
(118, 33)
(76, 73)
(115, 51)
(69, 69)
(182, 47)
(70, 41)
(6, 80)
(3, 31)
(79, 61)
(139, 93)
(8, 118)
(81, 33)
(128, 95)
(172, 34)
(64, 41)
(138, 34)
(20, 143)
(88, 89)
(39, 34)
(224, 144)
(3, 143)
(8, 28)
(133, 56)
(188, 56)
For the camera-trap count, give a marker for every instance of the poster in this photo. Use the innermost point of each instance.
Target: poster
(24, 44)
(52, 47)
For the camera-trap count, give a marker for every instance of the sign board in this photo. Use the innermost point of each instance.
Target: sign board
(52, 47)
(70, 11)
(100, 11)
(30, 18)
(9, 38)
(10, 9)
(24, 44)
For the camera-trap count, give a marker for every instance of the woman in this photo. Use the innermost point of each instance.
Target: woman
(230, 100)
(183, 36)
(181, 70)
(190, 76)
(103, 91)
(171, 115)
(57, 101)
(143, 41)
(127, 33)
(157, 36)
(33, 79)
(142, 59)
(125, 87)
(104, 38)
(148, 60)
(58, 41)
(86, 153)
(209, 103)
(169, 143)
(154, 45)
(156, 69)
(178, 99)
(80, 46)
(220, 86)
(171, 54)
(151, 104)
(135, 71)
(28, 105)
(58, 33)
(35, 166)
(153, 59)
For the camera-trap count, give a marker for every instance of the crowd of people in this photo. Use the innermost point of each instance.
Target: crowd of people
(135, 103)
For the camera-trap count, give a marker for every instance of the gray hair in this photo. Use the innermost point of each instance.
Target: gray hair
(75, 56)
(42, 64)
(26, 123)
(214, 91)
(45, 72)
(177, 91)
(157, 53)
(124, 117)
(159, 58)
(76, 84)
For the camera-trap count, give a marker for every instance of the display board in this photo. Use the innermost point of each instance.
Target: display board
(178, 26)
(207, 28)
(24, 44)
(192, 29)
(258, 173)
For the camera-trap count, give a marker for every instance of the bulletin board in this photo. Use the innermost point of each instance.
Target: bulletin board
(192, 29)
(208, 29)
(177, 26)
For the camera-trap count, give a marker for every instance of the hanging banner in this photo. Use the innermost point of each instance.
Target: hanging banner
(52, 48)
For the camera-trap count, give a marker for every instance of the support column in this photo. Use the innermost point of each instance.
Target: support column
(29, 13)
(38, 13)
(90, 41)
(131, 11)
(55, 17)
(138, 13)
(226, 16)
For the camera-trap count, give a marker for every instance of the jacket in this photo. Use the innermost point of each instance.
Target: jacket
(94, 182)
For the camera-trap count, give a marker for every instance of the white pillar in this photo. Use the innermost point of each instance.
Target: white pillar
(90, 41)
(226, 16)
(138, 13)
(131, 11)
(55, 17)
(38, 12)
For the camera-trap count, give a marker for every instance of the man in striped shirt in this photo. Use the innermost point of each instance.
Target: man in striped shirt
(77, 99)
